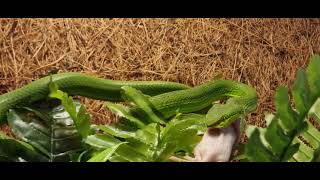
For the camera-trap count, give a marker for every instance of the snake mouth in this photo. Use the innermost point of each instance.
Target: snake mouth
(226, 120)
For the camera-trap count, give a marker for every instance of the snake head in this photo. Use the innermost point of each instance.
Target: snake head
(222, 115)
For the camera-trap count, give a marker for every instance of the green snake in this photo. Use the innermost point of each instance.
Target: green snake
(167, 98)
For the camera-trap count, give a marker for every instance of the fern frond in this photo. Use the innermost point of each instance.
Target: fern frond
(279, 141)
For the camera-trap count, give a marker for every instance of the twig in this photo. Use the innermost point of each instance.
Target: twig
(50, 64)
(14, 61)
(38, 50)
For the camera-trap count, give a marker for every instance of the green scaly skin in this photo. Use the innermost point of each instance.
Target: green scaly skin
(242, 100)
(167, 99)
(81, 85)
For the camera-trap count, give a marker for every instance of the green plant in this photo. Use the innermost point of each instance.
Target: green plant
(157, 124)
(46, 132)
(147, 136)
(59, 129)
(280, 140)
(52, 130)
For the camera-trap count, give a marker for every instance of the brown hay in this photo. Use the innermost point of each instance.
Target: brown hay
(263, 53)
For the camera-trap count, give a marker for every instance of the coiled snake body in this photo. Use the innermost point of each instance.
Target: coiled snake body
(166, 97)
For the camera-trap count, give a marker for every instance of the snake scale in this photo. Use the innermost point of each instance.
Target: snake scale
(166, 97)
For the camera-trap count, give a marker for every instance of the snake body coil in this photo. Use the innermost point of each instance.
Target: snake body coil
(166, 97)
(82, 85)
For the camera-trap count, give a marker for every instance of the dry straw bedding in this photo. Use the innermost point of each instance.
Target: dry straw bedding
(263, 53)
